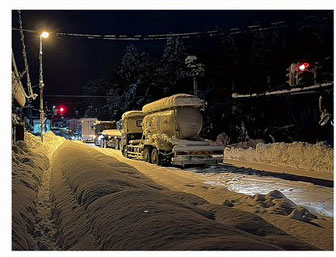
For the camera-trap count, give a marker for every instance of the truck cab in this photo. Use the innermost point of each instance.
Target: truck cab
(131, 133)
(99, 127)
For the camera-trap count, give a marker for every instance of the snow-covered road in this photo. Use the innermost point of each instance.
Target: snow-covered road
(69, 196)
(318, 199)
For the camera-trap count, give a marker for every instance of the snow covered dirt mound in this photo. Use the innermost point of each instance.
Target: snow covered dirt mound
(299, 155)
(30, 159)
(101, 203)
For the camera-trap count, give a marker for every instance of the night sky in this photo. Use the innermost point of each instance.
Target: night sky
(69, 62)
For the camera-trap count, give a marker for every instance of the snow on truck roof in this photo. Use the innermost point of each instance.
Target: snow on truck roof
(129, 114)
(172, 101)
(112, 132)
(103, 122)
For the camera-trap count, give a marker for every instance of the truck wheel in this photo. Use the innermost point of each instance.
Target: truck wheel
(155, 157)
(147, 155)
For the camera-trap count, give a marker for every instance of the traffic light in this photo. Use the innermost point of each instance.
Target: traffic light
(300, 74)
(305, 74)
(303, 66)
(61, 110)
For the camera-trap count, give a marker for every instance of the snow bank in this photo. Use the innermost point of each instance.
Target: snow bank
(50, 143)
(299, 155)
(29, 160)
(104, 204)
(277, 203)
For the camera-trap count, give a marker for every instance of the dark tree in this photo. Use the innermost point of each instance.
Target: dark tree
(171, 68)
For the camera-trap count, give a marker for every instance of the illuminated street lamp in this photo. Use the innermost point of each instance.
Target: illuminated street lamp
(44, 34)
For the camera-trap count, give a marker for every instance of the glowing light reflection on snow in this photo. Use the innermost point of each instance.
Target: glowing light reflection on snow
(317, 199)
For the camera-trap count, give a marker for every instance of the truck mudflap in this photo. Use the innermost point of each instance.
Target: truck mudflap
(197, 155)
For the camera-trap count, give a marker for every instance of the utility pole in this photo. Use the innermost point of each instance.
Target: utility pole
(41, 84)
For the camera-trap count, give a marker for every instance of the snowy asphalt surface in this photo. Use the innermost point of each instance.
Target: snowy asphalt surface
(316, 198)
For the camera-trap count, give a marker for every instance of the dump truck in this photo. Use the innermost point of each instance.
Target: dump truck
(87, 131)
(169, 134)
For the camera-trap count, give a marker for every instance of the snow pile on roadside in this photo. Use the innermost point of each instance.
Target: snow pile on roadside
(277, 203)
(29, 160)
(104, 204)
(314, 157)
(49, 145)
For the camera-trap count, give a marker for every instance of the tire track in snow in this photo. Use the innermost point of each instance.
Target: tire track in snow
(76, 232)
(45, 228)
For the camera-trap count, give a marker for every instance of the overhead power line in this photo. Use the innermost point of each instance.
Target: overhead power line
(184, 35)
(24, 54)
(137, 37)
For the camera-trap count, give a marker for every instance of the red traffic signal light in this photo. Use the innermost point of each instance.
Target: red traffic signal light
(303, 66)
(300, 74)
(61, 110)
(305, 74)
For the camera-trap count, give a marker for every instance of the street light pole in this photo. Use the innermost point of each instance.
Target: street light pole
(41, 84)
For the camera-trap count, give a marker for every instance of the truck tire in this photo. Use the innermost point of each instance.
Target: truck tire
(155, 157)
(147, 155)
